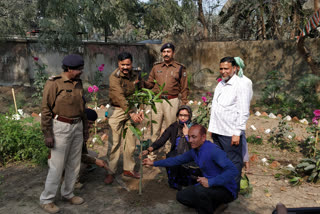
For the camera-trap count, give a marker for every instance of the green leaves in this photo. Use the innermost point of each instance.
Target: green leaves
(21, 140)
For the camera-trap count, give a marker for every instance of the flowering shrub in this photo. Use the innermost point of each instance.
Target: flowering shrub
(202, 115)
(40, 79)
(98, 76)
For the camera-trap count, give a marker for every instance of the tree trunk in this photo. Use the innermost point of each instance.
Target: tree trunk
(316, 4)
(263, 27)
(202, 19)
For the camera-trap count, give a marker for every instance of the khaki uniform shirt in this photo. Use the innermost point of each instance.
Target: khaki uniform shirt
(121, 86)
(169, 74)
(63, 97)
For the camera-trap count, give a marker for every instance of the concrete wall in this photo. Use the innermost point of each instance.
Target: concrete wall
(17, 66)
(201, 59)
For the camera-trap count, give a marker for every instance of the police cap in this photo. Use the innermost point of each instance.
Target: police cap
(167, 45)
(73, 61)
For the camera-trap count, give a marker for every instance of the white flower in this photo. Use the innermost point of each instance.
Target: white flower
(98, 121)
(253, 128)
(16, 117)
(190, 102)
(143, 129)
(107, 106)
(20, 111)
(39, 114)
(94, 140)
(147, 112)
(199, 103)
(257, 113)
(267, 131)
(136, 105)
(289, 136)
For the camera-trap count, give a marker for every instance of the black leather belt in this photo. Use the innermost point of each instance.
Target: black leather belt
(66, 120)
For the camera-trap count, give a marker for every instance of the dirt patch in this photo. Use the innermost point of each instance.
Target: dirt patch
(21, 183)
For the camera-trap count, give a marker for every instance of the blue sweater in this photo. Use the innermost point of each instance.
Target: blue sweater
(213, 162)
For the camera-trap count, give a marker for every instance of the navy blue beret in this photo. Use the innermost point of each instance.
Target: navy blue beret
(73, 60)
(167, 45)
(91, 114)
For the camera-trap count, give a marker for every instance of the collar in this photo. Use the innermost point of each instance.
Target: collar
(172, 63)
(231, 81)
(65, 78)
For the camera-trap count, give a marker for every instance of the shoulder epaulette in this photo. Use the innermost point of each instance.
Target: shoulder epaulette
(117, 73)
(52, 78)
(156, 63)
(181, 64)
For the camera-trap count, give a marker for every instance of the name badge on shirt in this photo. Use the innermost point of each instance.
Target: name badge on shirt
(159, 71)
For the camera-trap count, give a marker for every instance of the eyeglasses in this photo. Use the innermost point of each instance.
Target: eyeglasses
(183, 115)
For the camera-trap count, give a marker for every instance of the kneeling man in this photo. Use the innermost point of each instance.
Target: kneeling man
(218, 186)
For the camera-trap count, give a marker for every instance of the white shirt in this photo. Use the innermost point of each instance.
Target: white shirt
(247, 83)
(230, 107)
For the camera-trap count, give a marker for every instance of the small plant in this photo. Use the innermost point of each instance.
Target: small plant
(255, 139)
(308, 167)
(40, 79)
(283, 137)
(98, 76)
(202, 115)
(310, 146)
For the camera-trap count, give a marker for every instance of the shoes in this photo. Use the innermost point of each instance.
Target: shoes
(50, 208)
(131, 174)
(78, 185)
(75, 200)
(109, 179)
(221, 208)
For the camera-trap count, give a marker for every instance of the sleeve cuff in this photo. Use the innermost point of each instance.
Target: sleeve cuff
(237, 133)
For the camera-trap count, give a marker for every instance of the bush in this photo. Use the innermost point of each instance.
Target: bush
(21, 140)
(283, 137)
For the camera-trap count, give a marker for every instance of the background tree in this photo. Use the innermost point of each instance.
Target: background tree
(16, 17)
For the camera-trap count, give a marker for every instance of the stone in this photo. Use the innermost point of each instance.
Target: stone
(264, 114)
(287, 118)
(275, 164)
(295, 119)
(34, 114)
(279, 116)
(254, 158)
(102, 107)
(251, 112)
(253, 128)
(272, 116)
(304, 121)
(257, 113)
(298, 138)
(267, 131)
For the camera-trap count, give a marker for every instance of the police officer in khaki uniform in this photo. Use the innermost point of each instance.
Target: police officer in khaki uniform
(174, 75)
(122, 84)
(62, 122)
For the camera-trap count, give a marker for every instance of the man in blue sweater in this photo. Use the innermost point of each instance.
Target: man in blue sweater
(218, 185)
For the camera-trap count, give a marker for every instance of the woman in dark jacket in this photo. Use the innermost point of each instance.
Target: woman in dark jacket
(177, 132)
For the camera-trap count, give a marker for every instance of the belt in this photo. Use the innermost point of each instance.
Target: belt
(169, 97)
(66, 120)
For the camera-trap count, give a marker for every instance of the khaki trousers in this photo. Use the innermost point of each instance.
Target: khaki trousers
(66, 155)
(115, 140)
(164, 112)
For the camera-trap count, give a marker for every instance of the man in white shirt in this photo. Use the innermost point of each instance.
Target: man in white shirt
(248, 89)
(229, 113)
